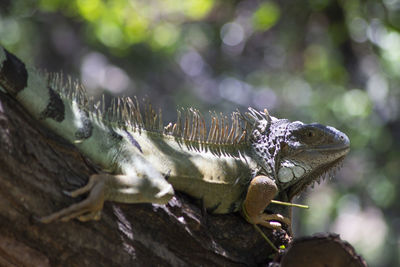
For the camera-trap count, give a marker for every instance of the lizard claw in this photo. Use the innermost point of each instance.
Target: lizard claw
(272, 221)
(67, 193)
(272, 225)
(33, 219)
(95, 216)
(88, 209)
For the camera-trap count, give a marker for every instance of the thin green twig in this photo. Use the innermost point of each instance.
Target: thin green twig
(266, 237)
(289, 204)
(258, 229)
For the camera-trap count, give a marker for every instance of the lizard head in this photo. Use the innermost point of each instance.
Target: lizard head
(293, 153)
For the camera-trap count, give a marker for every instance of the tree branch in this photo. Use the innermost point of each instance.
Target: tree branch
(36, 166)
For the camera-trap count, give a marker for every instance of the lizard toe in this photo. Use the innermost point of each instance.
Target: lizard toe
(95, 215)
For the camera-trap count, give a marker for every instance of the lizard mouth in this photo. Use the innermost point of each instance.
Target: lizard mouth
(331, 148)
(315, 176)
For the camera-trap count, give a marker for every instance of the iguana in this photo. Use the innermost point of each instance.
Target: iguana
(237, 166)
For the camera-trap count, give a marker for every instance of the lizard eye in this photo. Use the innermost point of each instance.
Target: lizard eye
(310, 134)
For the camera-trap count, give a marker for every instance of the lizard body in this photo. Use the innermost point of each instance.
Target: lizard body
(244, 164)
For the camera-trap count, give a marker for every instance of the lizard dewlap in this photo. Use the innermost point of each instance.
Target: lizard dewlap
(240, 163)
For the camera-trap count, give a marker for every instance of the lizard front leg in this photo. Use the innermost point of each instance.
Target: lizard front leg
(261, 191)
(88, 209)
(131, 188)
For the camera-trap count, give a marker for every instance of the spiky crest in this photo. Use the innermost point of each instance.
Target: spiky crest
(190, 126)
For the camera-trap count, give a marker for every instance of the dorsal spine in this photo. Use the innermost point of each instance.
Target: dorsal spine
(64, 107)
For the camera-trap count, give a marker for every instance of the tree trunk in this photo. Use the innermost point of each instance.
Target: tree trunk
(35, 166)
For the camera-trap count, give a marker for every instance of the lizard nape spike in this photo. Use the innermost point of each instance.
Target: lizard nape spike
(245, 164)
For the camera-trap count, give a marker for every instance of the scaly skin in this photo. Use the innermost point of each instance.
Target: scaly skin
(244, 166)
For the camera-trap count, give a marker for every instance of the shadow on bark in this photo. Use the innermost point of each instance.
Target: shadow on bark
(35, 166)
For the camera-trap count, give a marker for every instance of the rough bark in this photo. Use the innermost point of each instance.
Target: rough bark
(321, 250)
(35, 166)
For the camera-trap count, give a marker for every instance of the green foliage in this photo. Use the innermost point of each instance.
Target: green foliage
(120, 23)
(334, 62)
(266, 16)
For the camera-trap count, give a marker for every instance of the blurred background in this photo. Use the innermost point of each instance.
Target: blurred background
(327, 61)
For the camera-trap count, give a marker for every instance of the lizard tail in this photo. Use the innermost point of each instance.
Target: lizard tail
(46, 98)
(33, 90)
